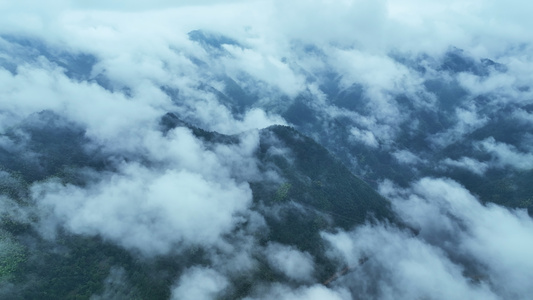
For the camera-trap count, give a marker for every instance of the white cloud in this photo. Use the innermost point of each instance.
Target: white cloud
(293, 263)
(364, 136)
(107, 116)
(377, 72)
(466, 120)
(523, 116)
(467, 163)
(116, 286)
(147, 210)
(498, 85)
(401, 267)
(408, 25)
(495, 238)
(507, 155)
(258, 119)
(199, 284)
(463, 249)
(340, 22)
(219, 119)
(266, 68)
(407, 157)
(315, 292)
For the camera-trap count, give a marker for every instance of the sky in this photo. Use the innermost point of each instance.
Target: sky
(174, 191)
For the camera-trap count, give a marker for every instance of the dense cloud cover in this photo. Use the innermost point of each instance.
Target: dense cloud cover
(425, 100)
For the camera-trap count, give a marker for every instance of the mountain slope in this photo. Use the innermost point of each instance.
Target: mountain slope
(311, 193)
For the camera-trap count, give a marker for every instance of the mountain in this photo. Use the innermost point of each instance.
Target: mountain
(313, 193)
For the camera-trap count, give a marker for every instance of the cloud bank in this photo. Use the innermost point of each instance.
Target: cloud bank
(460, 252)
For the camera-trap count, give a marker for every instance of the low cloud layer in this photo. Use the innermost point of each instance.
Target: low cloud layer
(507, 155)
(145, 210)
(460, 251)
(199, 284)
(291, 262)
(317, 292)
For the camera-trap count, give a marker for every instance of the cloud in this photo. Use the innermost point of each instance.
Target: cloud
(491, 241)
(290, 261)
(255, 118)
(266, 68)
(463, 249)
(364, 136)
(199, 283)
(107, 116)
(116, 286)
(146, 210)
(138, 5)
(278, 291)
(408, 25)
(467, 163)
(343, 22)
(523, 116)
(376, 72)
(466, 120)
(400, 266)
(407, 157)
(507, 155)
(494, 84)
